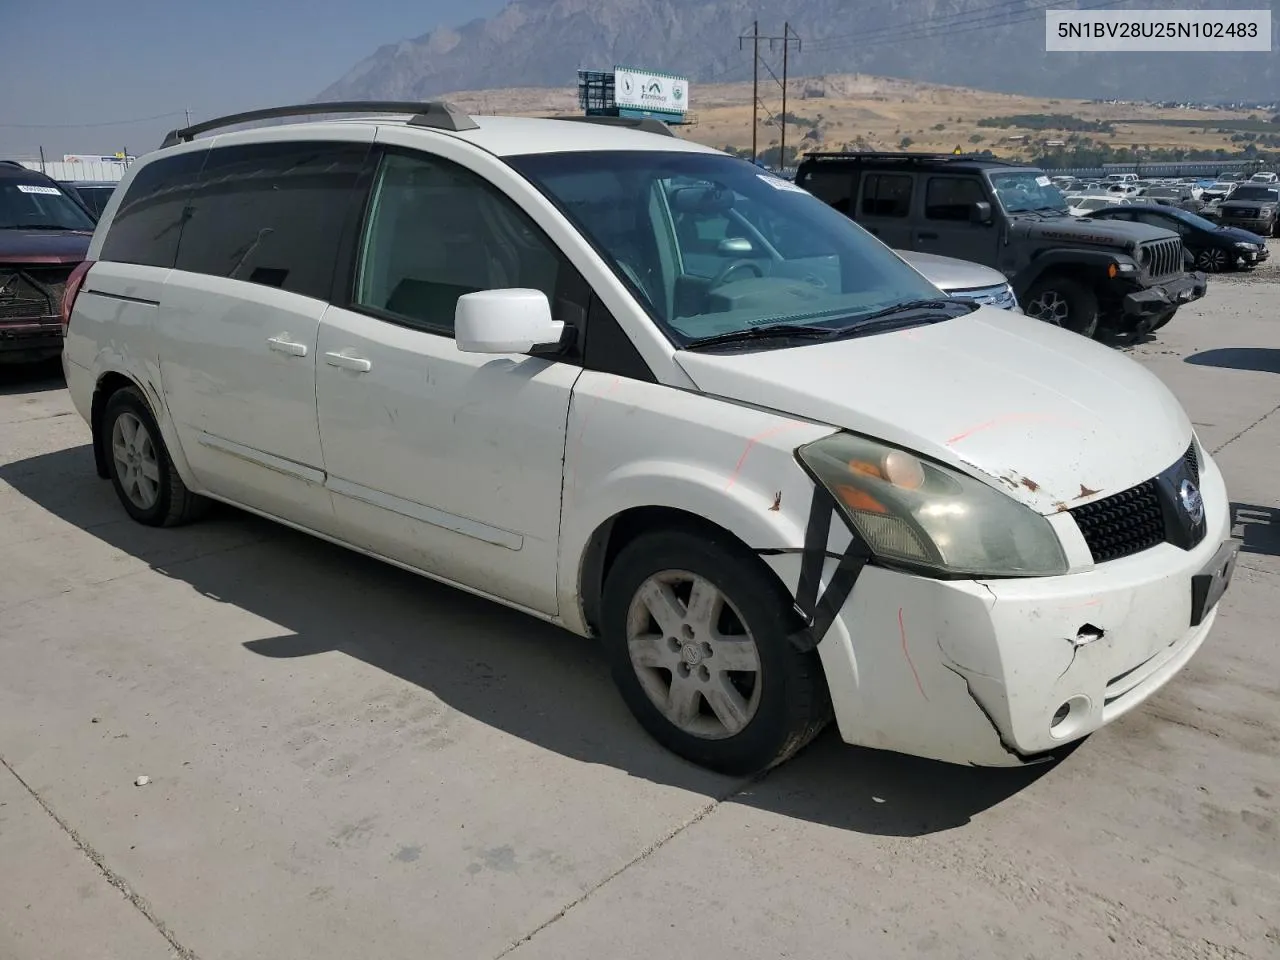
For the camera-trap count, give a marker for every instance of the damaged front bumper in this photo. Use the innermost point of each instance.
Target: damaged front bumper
(1005, 672)
(1155, 300)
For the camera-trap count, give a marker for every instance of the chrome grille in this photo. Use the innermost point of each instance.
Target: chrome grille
(1162, 257)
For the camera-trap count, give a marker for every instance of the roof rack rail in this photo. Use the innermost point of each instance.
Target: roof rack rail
(438, 115)
(645, 124)
(906, 157)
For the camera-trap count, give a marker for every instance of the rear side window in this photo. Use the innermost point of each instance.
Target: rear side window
(886, 195)
(272, 213)
(148, 222)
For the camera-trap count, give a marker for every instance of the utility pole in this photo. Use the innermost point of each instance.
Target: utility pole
(755, 85)
(187, 111)
(786, 47)
(42, 158)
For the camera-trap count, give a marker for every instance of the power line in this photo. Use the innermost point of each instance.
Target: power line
(73, 126)
(949, 19)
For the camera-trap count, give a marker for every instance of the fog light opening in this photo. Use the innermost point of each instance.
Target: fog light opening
(1071, 719)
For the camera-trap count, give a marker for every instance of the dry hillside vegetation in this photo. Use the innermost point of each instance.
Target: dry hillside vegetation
(853, 111)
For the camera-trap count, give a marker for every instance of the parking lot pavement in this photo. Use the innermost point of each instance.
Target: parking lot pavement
(349, 761)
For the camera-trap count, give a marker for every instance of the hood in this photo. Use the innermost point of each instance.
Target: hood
(1052, 418)
(948, 273)
(1086, 231)
(44, 246)
(1237, 235)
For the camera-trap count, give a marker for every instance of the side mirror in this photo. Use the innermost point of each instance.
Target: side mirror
(980, 212)
(735, 247)
(505, 321)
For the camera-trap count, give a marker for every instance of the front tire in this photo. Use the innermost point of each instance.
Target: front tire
(697, 636)
(141, 469)
(1065, 303)
(1213, 260)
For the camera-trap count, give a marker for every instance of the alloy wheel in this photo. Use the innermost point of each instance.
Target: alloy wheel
(136, 462)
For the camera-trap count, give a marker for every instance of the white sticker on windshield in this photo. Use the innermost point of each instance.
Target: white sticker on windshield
(779, 184)
(1043, 181)
(35, 188)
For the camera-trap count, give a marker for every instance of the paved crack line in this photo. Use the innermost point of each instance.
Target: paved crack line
(113, 878)
(643, 855)
(1222, 446)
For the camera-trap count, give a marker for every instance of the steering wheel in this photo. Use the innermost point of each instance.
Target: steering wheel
(723, 276)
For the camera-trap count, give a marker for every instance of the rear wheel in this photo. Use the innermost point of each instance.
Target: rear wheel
(1065, 303)
(141, 469)
(697, 637)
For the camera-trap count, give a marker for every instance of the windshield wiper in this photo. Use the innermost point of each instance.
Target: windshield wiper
(41, 226)
(772, 331)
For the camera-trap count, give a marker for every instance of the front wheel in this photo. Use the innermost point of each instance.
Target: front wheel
(1065, 303)
(697, 636)
(1214, 260)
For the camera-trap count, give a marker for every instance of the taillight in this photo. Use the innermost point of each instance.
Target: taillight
(74, 283)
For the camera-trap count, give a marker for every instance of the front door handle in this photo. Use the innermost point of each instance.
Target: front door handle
(282, 344)
(927, 236)
(347, 362)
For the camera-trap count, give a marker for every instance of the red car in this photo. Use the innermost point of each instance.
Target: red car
(44, 235)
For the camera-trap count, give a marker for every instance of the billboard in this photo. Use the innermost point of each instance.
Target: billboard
(650, 90)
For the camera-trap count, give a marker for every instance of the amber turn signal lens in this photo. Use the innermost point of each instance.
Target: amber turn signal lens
(856, 499)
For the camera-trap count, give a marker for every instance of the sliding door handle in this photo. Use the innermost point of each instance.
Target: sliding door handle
(348, 362)
(282, 344)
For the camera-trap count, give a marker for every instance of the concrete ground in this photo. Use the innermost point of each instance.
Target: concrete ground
(346, 761)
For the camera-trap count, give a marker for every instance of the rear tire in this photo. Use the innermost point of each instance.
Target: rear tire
(140, 467)
(716, 607)
(1065, 303)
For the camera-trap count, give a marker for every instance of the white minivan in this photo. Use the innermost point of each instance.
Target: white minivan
(648, 392)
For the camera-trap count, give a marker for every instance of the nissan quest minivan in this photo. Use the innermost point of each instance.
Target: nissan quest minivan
(648, 392)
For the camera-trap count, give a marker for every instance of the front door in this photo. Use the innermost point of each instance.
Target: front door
(450, 462)
(947, 227)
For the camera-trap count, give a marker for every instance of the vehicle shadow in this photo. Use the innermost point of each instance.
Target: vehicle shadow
(1260, 359)
(1260, 529)
(511, 672)
(31, 377)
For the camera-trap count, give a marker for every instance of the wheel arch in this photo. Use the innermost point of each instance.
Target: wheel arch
(110, 381)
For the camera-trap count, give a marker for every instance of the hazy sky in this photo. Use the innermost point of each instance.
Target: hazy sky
(71, 69)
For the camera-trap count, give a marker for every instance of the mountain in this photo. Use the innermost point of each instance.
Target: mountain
(984, 44)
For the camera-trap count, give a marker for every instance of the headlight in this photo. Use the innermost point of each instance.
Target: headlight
(925, 515)
(1244, 245)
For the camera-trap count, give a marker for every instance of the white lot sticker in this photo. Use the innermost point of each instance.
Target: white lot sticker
(1043, 181)
(779, 184)
(33, 188)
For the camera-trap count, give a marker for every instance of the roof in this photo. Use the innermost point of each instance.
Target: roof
(502, 136)
(13, 169)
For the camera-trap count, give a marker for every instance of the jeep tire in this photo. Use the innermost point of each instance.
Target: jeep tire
(1064, 302)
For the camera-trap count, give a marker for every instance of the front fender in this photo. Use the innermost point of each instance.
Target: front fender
(634, 445)
(1070, 258)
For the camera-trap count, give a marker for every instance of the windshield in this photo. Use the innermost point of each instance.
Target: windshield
(1256, 193)
(1093, 203)
(39, 206)
(712, 245)
(1025, 190)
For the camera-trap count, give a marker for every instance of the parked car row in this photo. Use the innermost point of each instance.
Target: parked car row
(645, 391)
(1127, 278)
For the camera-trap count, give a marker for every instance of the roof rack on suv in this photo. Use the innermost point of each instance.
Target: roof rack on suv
(646, 124)
(908, 157)
(438, 115)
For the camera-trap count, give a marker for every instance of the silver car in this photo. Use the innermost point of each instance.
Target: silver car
(962, 279)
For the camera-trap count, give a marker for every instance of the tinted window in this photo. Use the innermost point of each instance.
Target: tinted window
(95, 198)
(148, 222)
(436, 232)
(886, 195)
(38, 203)
(272, 213)
(1255, 194)
(951, 198)
(832, 186)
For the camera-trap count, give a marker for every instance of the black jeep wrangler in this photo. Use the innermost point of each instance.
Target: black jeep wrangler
(1079, 273)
